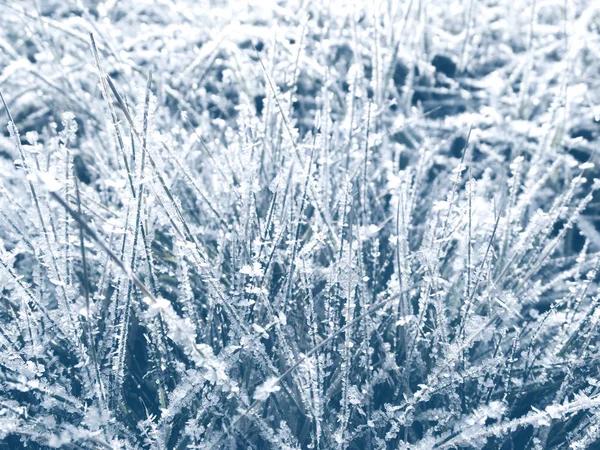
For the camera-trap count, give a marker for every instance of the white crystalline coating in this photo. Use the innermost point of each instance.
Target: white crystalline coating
(253, 271)
(246, 302)
(276, 248)
(277, 183)
(269, 387)
(405, 320)
(441, 205)
(56, 282)
(157, 306)
(459, 169)
(369, 231)
(260, 330)
(282, 318)
(48, 180)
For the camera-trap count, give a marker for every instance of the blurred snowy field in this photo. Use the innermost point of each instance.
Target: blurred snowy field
(299, 225)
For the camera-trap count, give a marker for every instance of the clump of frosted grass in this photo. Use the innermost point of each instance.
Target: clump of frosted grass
(291, 226)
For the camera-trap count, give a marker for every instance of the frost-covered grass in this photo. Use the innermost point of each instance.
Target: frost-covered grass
(315, 225)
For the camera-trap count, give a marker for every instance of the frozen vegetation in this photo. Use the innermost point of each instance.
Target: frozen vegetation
(299, 224)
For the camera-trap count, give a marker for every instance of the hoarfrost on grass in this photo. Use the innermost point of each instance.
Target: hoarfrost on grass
(279, 225)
